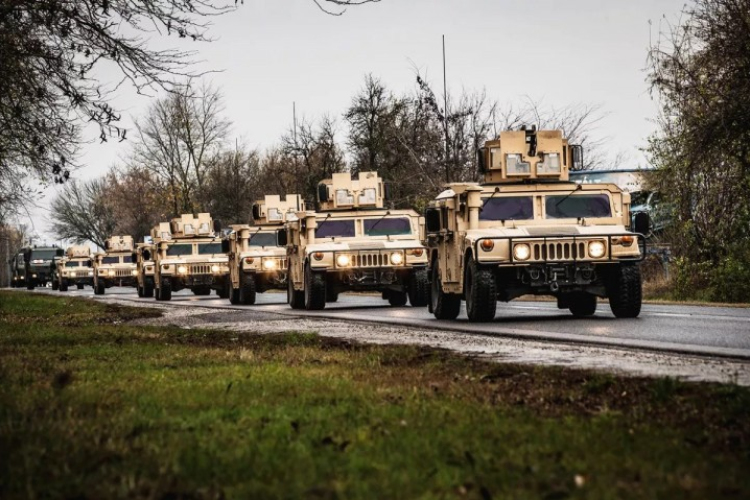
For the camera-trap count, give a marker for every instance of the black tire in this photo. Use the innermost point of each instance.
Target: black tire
(79, 286)
(139, 290)
(397, 299)
(443, 305)
(101, 289)
(166, 290)
(623, 284)
(582, 304)
(63, 287)
(315, 289)
(30, 285)
(332, 295)
(295, 299)
(419, 287)
(225, 289)
(55, 285)
(148, 291)
(480, 291)
(247, 289)
(234, 296)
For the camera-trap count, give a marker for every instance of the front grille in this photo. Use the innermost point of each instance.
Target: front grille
(199, 269)
(123, 273)
(370, 259)
(559, 251)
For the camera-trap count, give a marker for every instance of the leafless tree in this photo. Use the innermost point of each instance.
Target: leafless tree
(83, 212)
(232, 185)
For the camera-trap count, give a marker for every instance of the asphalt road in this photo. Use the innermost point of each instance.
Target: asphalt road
(699, 330)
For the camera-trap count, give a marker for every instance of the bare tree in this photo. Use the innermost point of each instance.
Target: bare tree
(233, 185)
(83, 212)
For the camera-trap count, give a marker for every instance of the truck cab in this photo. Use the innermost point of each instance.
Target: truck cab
(114, 266)
(75, 268)
(39, 264)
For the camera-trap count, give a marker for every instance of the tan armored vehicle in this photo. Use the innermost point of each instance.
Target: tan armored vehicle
(187, 254)
(75, 268)
(354, 243)
(144, 264)
(529, 230)
(114, 266)
(256, 262)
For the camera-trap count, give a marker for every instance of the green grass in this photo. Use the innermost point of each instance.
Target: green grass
(91, 407)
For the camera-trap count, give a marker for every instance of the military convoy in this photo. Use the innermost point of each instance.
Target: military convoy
(256, 262)
(354, 243)
(75, 268)
(115, 266)
(187, 254)
(527, 229)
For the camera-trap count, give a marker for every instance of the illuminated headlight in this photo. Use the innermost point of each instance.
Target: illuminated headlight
(33, 275)
(182, 270)
(269, 264)
(215, 268)
(91, 273)
(397, 258)
(521, 252)
(111, 272)
(73, 275)
(134, 272)
(343, 260)
(596, 249)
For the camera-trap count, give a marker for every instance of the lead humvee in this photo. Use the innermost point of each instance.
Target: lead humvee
(256, 262)
(144, 264)
(39, 264)
(354, 243)
(114, 266)
(188, 254)
(529, 230)
(75, 268)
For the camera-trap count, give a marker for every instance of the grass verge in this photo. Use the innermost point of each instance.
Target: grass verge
(91, 407)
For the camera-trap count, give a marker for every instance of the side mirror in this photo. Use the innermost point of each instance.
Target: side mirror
(256, 211)
(281, 238)
(146, 254)
(577, 154)
(432, 220)
(642, 223)
(59, 252)
(482, 160)
(217, 226)
(106, 245)
(225, 245)
(387, 192)
(322, 193)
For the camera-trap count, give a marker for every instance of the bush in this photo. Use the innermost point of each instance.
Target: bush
(725, 281)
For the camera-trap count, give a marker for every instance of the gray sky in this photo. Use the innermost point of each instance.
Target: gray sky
(274, 52)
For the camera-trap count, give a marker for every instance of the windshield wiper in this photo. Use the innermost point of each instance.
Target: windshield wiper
(323, 223)
(577, 188)
(378, 222)
(497, 190)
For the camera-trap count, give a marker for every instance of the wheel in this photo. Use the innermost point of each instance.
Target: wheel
(100, 288)
(30, 285)
(63, 287)
(225, 290)
(443, 305)
(480, 290)
(247, 289)
(331, 295)
(315, 290)
(148, 291)
(623, 285)
(295, 299)
(166, 290)
(397, 299)
(55, 285)
(139, 290)
(582, 304)
(79, 286)
(419, 287)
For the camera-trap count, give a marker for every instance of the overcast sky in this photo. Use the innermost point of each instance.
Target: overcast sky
(275, 52)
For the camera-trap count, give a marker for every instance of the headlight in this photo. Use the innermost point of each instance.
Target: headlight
(111, 272)
(134, 272)
(521, 251)
(396, 258)
(215, 268)
(269, 264)
(342, 260)
(596, 249)
(91, 273)
(182, 270)
(72, 275)
(33, 275)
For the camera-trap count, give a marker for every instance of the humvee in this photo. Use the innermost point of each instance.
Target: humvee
(528, 230)
(187, 254)
(114, 266)
(256, 262)
(39, 264)
(354, 243)
(143, 258)
(75, 268)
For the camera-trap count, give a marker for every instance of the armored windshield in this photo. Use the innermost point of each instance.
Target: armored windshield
(110, 260)
(263, 240)
(73, 263)
(179, 249)
(387, 226)
(42, 254)
(209, 248)
(507, 208)
(335, 229)
(577, 206)
(127, 259)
